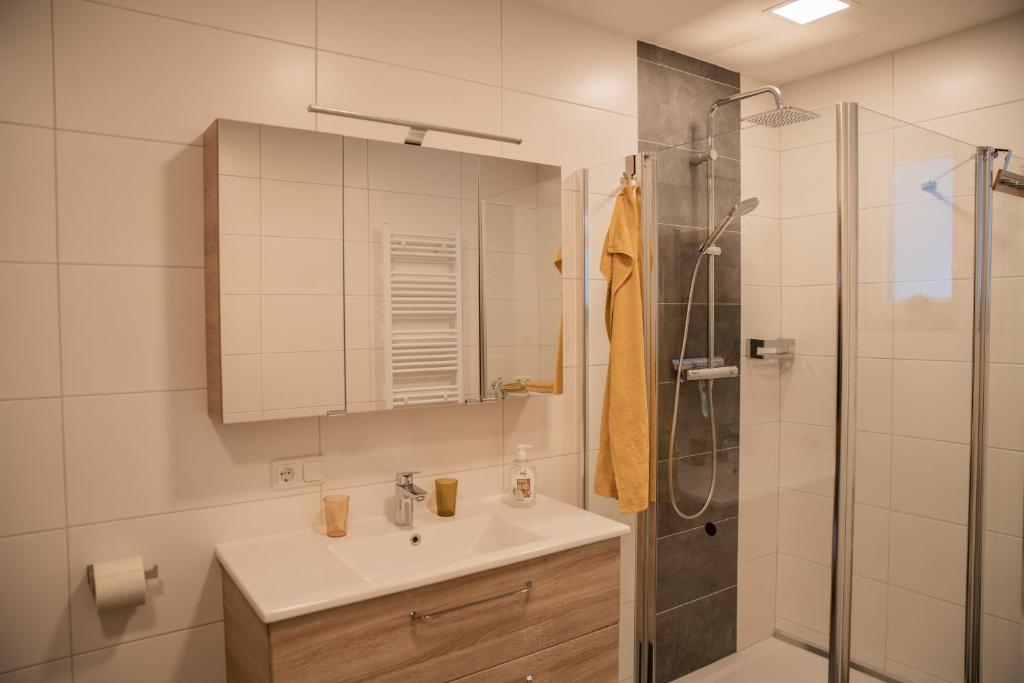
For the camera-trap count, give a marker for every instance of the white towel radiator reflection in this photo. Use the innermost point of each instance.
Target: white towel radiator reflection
(424, 304)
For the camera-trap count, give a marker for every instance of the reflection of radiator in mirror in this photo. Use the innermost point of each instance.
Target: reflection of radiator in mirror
(424, 320)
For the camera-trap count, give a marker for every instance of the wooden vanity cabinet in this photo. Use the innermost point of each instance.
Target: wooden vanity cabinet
(481, 628)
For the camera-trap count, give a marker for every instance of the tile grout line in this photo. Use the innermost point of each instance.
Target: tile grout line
(60, 345)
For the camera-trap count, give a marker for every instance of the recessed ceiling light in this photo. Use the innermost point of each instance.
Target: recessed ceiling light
(806, 11)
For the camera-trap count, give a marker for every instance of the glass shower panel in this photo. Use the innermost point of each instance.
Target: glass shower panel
(807, 381)
(1002, 633)
(913, 407)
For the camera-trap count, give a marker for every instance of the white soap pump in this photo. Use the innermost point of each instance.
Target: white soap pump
(523, 482)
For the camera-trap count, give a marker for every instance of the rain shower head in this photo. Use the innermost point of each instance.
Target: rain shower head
(741, 209)
(781, 116)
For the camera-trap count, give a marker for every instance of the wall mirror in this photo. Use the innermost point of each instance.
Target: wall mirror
(346, 275)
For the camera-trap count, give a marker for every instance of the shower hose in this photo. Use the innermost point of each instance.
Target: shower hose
(675, 413)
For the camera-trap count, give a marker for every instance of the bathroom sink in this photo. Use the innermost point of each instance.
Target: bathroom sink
(437, 544)
(301, 572)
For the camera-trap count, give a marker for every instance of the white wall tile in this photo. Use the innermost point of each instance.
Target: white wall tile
(873, 463)
(803, 593)
(809, 250)
(1001, 649)
(875, 320)
(758, 524)
(759, 249)
(158, 316)
(294, 23)
(874, 395)
(28, 223)
(563, 134)
(1001, 583)
(31, 455)
(188, 592)
(101, 49)
(809, 391)
(868, 618)
(371, 447)
(541, 55)
(310, 379)
(975, 60)
(759, 456)
(868, 82)
(300, 155)
(292, 265)
(1005, 398)
(807, 458)
(925, 633)
(33, 596)
(808, 181)
(57, 671)
(929, 557)
(759, 392)
(239, 205)
(805, 526)
(242, 386)
(29, 345)
(302, 322)
(239, 264)
(291, 209)
(26, 77)
(755, 591)
(871, 542)
(759, 176)
(930, 478)
(760, 315)
(195, 654)
(809, 315)
(1007, 325)
(394, 91)
(458, 38)
(939, 327)
(1004, 491)
(238, 148)
(129, 201)
(932, 400)
(240, 323)
(139, 454)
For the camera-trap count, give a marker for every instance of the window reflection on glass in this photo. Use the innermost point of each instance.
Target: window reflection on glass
(923, 230)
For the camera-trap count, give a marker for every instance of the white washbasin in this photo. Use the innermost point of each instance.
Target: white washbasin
(410, 549)
(301, 572)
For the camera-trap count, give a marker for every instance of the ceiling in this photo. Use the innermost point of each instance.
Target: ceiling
(737, 34)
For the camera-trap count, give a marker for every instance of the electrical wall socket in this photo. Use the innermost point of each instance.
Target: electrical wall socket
(292, 473)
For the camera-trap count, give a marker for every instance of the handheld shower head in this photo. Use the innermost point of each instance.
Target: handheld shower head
(741, 209)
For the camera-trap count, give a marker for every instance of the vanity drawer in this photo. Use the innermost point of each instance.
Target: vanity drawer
(476, 622)
(593, 658)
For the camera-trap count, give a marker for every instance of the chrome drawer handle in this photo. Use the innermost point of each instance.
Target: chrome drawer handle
(416, 616)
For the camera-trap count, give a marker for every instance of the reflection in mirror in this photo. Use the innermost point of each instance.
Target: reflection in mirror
(521, 232)
(423, 277)
(344, 275)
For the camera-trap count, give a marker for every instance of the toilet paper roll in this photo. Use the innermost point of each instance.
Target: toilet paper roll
(119, 583)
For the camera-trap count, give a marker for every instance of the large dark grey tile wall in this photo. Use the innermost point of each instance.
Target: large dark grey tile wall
(696, 559)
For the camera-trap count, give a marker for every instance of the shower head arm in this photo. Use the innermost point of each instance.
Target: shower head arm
(768, 89)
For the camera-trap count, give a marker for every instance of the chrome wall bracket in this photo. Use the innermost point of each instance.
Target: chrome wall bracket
(772, 349)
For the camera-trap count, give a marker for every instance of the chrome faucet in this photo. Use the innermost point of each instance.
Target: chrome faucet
(406, 493)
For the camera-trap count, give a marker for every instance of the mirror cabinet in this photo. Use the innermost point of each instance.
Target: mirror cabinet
(346, 275)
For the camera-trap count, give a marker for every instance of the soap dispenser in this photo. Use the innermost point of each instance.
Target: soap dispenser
(523, 482)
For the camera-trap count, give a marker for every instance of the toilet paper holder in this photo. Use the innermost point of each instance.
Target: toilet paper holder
(151, 573)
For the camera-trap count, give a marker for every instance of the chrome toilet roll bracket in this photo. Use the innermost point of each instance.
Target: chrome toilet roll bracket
(151, 573)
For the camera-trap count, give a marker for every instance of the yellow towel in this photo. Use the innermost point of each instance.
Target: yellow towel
(623, 462)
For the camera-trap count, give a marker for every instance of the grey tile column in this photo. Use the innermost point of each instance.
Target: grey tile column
(695, 622)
